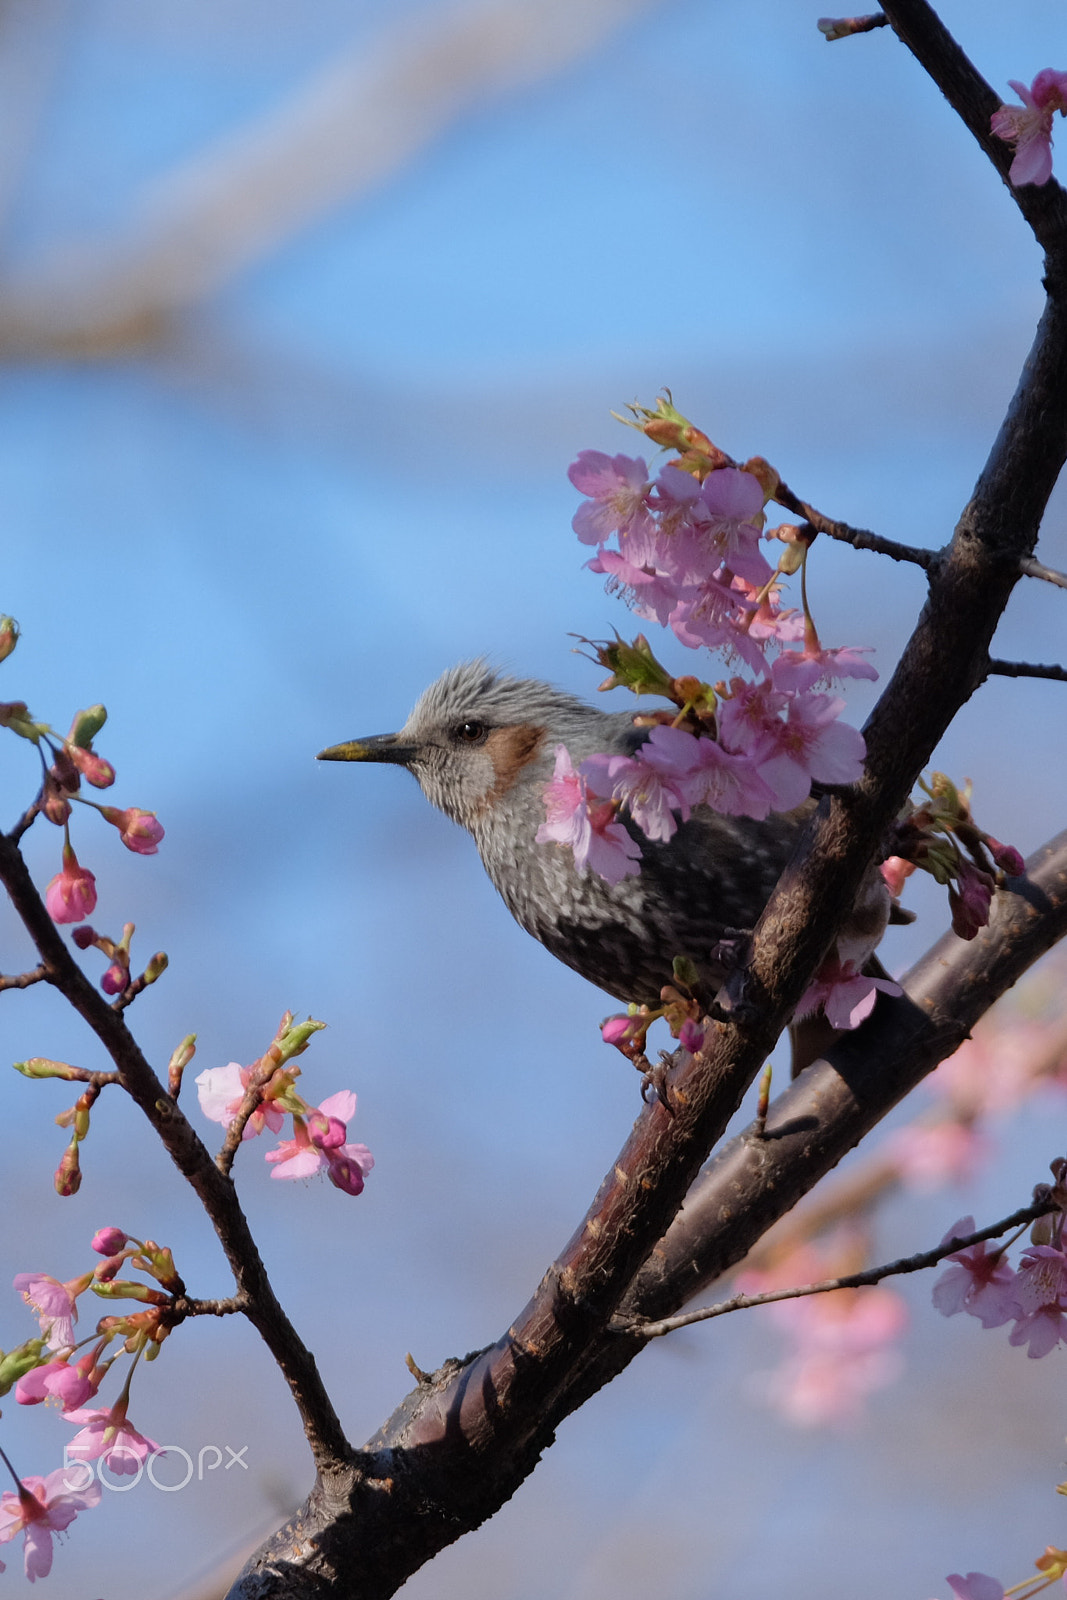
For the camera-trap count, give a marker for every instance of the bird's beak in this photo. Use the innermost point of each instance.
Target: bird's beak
(376, 747)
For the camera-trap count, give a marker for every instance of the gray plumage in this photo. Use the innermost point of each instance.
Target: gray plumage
(482, 747)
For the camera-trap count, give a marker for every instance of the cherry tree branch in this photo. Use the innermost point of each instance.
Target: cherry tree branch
(216, 1192)
(1041, 1207)
(22, 980)
(1030, 567)
(1025, 669)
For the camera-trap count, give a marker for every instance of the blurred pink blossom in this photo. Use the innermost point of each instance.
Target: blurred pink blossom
(42, 1507)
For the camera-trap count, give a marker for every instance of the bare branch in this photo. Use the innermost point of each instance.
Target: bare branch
(1030, 567)
(859, 538)
(339, 137)
(852, 1280)
(22, 980)
(1025, 669)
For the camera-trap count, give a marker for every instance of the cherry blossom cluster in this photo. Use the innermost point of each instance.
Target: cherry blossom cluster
(256, 1099)
(1029, 127)
(49, 1368)
(687, 554)
(66, 763)
(1032, 1297)
(686, 549)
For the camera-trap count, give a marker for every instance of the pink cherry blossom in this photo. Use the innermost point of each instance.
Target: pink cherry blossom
(706, 774)
(812, 744)
(642, 786)
(1040, 1292)
(42, 1507)
(578, 819)
(845, 996)
(55, 1304)
(71, 895)
(618, 488)
(55, 1379)
(221, 1090)
(975, 1586)
(139, 830)
(797, 670)
(978, 1282)
(304, 1154)
(1029, 126)
(110, 1435)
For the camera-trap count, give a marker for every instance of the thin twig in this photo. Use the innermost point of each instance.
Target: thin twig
(851, 1280)
(859, 538)
(1031, 567)
(22, 980)
(1025, 669)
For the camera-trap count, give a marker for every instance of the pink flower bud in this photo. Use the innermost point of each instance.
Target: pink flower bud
(9, 636)
(84, 937)
(345, 1173)
(108, 1241)
(93, 768)
(1006, 857)
(71, 895)
(691, 1036)
(68, 1178)
(895, 870)
(139, 829)
(115, 978)
(327, 1133)
(615, 1029)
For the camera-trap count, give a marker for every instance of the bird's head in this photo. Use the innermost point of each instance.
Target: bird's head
(474, 735)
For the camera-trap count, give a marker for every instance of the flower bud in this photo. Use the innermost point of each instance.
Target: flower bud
(86, 726)
(41, 1067)
(115, 979)
(158, 966)
(84, 937)
(15, 715)
(9, 636)
(179, 1060)
(108, 1241)
(93, 768)
(68, 1178)
(1006, 857)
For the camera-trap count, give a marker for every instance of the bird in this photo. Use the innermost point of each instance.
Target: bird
(482, 746)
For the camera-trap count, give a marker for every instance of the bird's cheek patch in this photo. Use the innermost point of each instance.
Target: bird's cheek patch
(511, 749)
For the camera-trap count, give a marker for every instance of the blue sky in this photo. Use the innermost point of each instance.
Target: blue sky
(346, 470)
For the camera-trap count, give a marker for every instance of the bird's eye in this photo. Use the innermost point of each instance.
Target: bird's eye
(470, 732)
